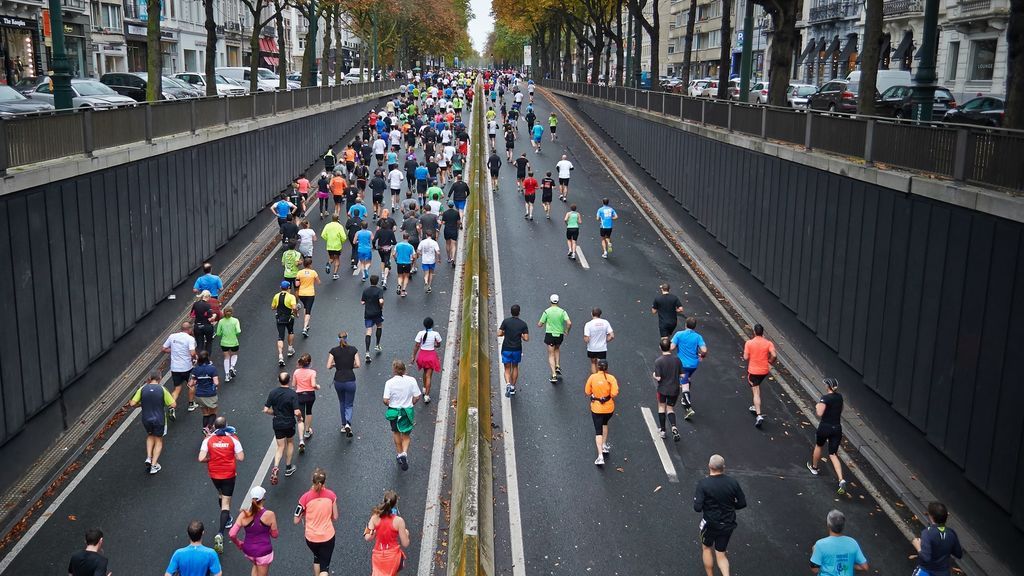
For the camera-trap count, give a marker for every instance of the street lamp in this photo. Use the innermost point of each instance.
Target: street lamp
(60, 67)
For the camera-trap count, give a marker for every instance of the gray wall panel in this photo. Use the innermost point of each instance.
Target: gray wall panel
(101, 246)
(76, 281)
(25, 300)
(44, 296)
(64, 350)
(10, 355)
(112, 181)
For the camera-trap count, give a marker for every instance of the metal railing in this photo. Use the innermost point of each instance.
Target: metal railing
(28, 139)
(834, 10)
(985, 156)
(974, 5)
(901, 7)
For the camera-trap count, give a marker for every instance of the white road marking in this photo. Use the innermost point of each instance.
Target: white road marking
(659, 445)
(582, 258)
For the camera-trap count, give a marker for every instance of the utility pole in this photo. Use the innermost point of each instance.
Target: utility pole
(746, 66)
(924, 80)
(60, 68)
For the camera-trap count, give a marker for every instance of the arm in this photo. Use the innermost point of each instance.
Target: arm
(334, 511)
(698, 499)
(271, 519)
(611, 333)
(740, 499)
(819, 409)
(330, 361)
(371, 528)
(403, 532)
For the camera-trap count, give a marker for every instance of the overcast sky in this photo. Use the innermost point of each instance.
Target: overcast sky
(482, 24)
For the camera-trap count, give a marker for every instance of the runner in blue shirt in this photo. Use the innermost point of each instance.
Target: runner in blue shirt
(281, 209)
(209, 282)
(607, 216)
(538, 136)
(194, 559)
(358, 210)
(364, 253)
(404, 255)
(689, 346)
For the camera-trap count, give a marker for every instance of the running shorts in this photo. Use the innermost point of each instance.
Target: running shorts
(717, 540)
(155, 429)
(281, 433)
(827, 433)
(364, 255)
(755, 379)
(371, 322)
(601, 355)
(224, 348)
(307, 302)
(385, 258)
(668, 399)
(179, 378)
(285, 328)
(552, 340)
(511, 356)
(421, 186)
(666, 330)
(224, 486)
(572, 233)
(553, 129)
(338, 199)
(494, 174)
(684, 378)
(600, 421)
(404, 268)
(429, 267)
(322, 553)
(460, 205)
(563, 181)
(334, 253)
(530, 198)
(606, 232)
(545, 196)
(306, 400)
(451, 233)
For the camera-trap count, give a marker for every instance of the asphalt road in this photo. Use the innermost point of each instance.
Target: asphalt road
(628, 517)
(144, 517)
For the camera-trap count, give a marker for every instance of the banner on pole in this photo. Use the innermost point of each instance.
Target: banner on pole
(527, 55)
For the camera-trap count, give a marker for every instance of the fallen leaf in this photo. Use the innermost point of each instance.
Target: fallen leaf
(658, 488)
(72, 517)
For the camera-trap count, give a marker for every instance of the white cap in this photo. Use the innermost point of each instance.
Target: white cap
(554, 298)
(258, 493)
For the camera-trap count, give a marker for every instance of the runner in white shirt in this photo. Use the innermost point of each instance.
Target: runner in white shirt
(492, 131)
(446, 136)
(424, 354)
(307, 237)
(395, 179)
(428, 250)
(564, 168)
(182, 348)
(379, 147)
(597, 334)
(396, 139)
(519, 97)
(401, 393)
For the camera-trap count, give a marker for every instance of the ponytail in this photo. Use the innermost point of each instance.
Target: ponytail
(319, 479)
(387, 506)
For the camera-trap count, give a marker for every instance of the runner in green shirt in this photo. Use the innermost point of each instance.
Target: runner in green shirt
(572, 230)
(435, 193)
(556, 324)
(553, 126)
(334, 235)
(290, 260)
(228, 329)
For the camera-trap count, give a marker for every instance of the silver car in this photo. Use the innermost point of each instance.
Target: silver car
(198, 81)
(797, 94)
(86, 93)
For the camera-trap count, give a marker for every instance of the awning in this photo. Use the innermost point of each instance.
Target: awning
(833, 47)
(807, 50)
(906, 45)
(271, 61)
(883, 52)
(849, 49)
(268, 45)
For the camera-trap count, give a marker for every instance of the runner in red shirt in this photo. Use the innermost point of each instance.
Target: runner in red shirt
(221, 451)
(530, 185)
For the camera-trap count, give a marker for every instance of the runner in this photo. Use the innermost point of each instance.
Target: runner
(195, 559)
(596, 335)
(221, 451)
(601, 388)
(208, 281)
(89, 561)
(307, 280)
(564, 168)
(338, 186)
(411, 226)
(547, 187)
(690, 347)
(284, 304)
(492, 132)
(405, 254)
(228, 329)
(538, 137)
(204, 319)
(395, 179)
(531, 119)
(323, 193)
(384, 242)
(344, 359)
(364, 250)
(400, 395)
(529, 194)
(424, 354)
(451, 221)
(838, 554)
(206, 382)
(553, 127)
(572, 230)
(307, 237)
(607, 216)
(428, 252)
(493, 167)
(667, 369)
(389, 534)
(301, 192)
(510, 142)
(290, 262)
(154, 400)
(378, 184)
(513, 333)
(352, 227)
(282, 209)
(937, 544)
(181, 347)
(283, 404)
(373, 313)
(522, 167)
(260, 527)
(759, 352)
(334, 237)
(318, 510)
(830, 430)
(717, 498)
(305, 390)
(668, 308)
(556, 324)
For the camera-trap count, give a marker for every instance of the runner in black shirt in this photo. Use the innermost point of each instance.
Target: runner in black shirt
(667, 307)
(510, 143)
(717, 497)
(830, 430)
(373, 313)
(547, 190)
(522, 167)
(283, 404)
(667, 369)
(89, 562)
(459, 193)
(383, 242)
(494, 166)
(452, 221)
(514, 332)
(344, 359)
(353, 225)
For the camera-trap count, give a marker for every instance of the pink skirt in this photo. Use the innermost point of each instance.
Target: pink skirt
(261, 560)
(427, 360)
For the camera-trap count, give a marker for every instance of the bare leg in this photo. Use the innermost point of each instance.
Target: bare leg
(709, 560)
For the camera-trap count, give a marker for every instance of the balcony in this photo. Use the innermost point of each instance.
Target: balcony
(830, 11)
(233, 26)
(895, 8)
(974, 5)
(76, 5)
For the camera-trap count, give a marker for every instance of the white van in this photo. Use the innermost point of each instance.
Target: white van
(266, 80)
(885, 79)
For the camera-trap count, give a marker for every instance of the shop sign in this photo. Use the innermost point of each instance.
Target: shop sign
(14, 22)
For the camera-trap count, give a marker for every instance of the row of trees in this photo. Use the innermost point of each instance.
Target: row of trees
(591, 29)
(397, 32)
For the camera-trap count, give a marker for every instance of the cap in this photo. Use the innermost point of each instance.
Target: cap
(554, 298)
(451, 203)
(258, 493)
(831, 383)
(285, 285)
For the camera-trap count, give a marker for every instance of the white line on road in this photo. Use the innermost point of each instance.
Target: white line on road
(659, 445)
(582, 258)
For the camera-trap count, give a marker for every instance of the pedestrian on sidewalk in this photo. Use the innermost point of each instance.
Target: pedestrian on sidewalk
(318, 510)
(306, 386)
(513, 333)
(717, 498)
(154, 400)
(668, 308)
(689, 345)
(836, 554)
(556, 324)
(401, 393)
(284, 304)
(601, 389)
(596, 335)
(830, 430)
(205, 382)
(607, 216)
(344, 359)
(572, 230)
(90, 561)
(759, 352)
(667, 369)
(228, 329)
(424, 354)
(283, 404)
(194, 559)
(208, 281)
(181, 347)
(937, 545)
(221, 451)
(389, 534)
(260, 526)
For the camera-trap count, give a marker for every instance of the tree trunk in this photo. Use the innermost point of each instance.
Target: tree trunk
(282, 68)
(869, 56)
(654, 32)
(784, 20)
(619, 50)
(691, 19)
(567, 56)
(154, 60)
(725, 56)
(638, 48)
(1015, 67)
(595, 56)
(326, 57)
(211, 49)
(556, 56)
(309, 51)
(337, 51)
(254, 56)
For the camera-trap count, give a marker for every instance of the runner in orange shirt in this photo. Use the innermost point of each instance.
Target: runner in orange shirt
(338, 186)
(759, 352)
(602, 388)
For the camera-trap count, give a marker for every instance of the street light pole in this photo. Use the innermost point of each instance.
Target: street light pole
(745, 59)
(60, 68)
(924, 80)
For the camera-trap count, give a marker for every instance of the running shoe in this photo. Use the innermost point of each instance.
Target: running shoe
(426, 398)
(604, 255)
(327, 268)
(348, 430)
(812, 469)
(599, 461)
(606, 449)
(172, 414)
(231, 522)
(403, 462)
(334, 277)
(280, 361)
(689, 413)
(842, 488)
(291, 351)
(227, 377)
(378, 349)
(752, 410)
(554, 379)
(192, 406)
(429, 289)
(155, 468)
(384, 285)
(302, 450)
(558, 370)
(233, 372)
(661, 433)
(273, 475)
(305, 333)
(508, 391)
(289, 470)
(307, 434)
(759, 421)
(218, 543)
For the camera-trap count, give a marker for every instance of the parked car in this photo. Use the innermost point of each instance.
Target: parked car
(198, 81)
(983, 111)
(711, 89)
(133, 85)
(797, 94)
(834, 96)
(86, 93)
(696, 87)
(28, 84)
(182, 89)
(265, 79)
(897, 101)
(14, 102)
(884, 80)
(758, 93)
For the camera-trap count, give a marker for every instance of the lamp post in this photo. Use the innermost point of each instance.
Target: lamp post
(748, 39)
(924, 80)
(60, 68)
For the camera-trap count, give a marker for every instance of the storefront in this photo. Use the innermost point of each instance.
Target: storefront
(19, 49)
(75, 48)
(135, 39)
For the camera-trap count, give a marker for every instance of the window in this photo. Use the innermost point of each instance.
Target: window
(671, 49)
(983, 59)
(951, 61)
(111, 16)
(714, 39)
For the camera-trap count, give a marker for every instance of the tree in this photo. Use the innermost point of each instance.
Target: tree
(652, 27)
(256, 9)
(154, 62)
(691, 19)
(1015, 67)
(312, 12)
(211, 53)
(869, 56)
(282, 57)
(724, 60)
(784, 17)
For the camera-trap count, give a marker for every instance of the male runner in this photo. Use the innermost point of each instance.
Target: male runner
(181, 347)
(283, 404)
(556, 325)
(377, 187)
(564, 168)
(155, 401)
(529, 194)
(547, 187)
(690, 347)
(759, 352)
(830, 430)
(510, 142)
(364, 250)
(607, 216)
(373, 313)
(428, 251)
(384, 242)
(306, 280)
(459, 193)
(537, 132)
(596, 335)
(208, 281)
(404, 256)
(513, 333)
(667, 307)
(451, 221)
(553, 126)
(667, 369)
(395, 179)
(522, 167)
(334, 236)
(717, 498)
(493, 167)
(284, 304)
(221, 451)
(338, 186)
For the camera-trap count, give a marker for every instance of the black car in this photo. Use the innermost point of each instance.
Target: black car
(983, 111)
(14, 102)
(834, 96)
(28, 84)
(133, 85)
(897, 102)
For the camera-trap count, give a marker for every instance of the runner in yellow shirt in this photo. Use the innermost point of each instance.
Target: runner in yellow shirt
(334, 235)
(306, 280)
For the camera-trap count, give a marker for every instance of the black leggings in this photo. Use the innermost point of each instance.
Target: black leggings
(322, 553)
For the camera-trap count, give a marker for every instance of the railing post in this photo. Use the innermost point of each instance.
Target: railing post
(149, 123)
(292, 92)
(703, 109)
(254, 115)
(4, 156)
(869, 143)
(88, 144)
(648, 101)
(764, 122)
(663, 103)
(807, 130)
(192, 116)
(960, 155)
(728, 116)
(227, 111)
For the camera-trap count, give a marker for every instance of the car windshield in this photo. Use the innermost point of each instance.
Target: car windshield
(174, 82)
(266, 74)
(27, 82)
(943, 94)
(806, 90)
(92, 89)
(852, 87)
(8, 94)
